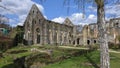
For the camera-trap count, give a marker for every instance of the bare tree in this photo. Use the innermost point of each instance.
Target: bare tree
(104, 53)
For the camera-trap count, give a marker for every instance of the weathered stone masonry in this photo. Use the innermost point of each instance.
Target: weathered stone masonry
(38, 30)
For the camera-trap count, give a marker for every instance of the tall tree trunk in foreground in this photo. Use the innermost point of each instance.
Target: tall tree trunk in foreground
(104, 53)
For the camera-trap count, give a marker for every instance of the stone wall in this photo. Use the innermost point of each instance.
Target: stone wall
(38, 30)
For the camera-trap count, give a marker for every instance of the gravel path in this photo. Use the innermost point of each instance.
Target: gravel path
(112, 51)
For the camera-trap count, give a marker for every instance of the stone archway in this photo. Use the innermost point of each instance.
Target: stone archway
(95, 41)
(38, 38)
(88, 42)
(78, 39)
(74, 42)
(38, 35)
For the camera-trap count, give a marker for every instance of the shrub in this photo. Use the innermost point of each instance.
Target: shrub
(5, 43)
(94, 47)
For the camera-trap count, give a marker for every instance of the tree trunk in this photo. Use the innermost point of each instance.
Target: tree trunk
(104, 53)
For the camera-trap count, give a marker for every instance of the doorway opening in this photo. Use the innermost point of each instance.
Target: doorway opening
(88, 42)
(78, 41)
(94, 41)
(38, 38)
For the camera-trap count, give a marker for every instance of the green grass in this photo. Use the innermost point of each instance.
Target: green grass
(8, 58)
(115, 60)
(89, 60)
(83, 61)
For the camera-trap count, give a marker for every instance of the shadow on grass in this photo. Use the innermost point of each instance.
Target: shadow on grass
(92, 62)
(12, 66)
(9, 66)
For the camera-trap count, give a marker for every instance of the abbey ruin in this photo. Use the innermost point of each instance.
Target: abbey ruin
(38, 30)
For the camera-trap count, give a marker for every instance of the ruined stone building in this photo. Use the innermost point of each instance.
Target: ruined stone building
(114, 30)
(90, 32)
(38, 30)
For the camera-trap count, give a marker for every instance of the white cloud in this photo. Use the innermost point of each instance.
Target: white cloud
(59, 19)
(90, 19)
(22, 7)
(77, 18)
(19, 8)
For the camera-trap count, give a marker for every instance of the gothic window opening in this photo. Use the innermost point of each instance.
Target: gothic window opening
(117, 24)
(39, 20)
(74, 42)
(35, 22)
(38, 38)
(78, 41)
(38, 30)
(33, 11)
(38, 35)
(88, 42)
(69, 41)
(94, 41)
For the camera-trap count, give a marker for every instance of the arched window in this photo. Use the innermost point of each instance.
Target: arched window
(39, 20)
(94, 41)
(33, 11)
(35, 22)
(88, 42)
(38, 30)
(117, 24)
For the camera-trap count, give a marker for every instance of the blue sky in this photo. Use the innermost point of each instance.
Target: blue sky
(52, 10)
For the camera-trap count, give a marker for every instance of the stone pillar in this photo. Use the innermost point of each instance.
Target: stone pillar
(75, 42)
(67, 38)
(51, 41)
(79, 41)
(53, 34)
(42, 35)
(45, 33)
(62, 42)
(58, 35)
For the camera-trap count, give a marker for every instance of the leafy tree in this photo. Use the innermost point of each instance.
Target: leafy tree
(104, 55)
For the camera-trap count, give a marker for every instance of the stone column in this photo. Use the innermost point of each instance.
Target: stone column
(63, 38)
(50, 37)
(67, 38)
(58, 35)
(79, 41)
(53, 34)
(45, 33)
(76, 42)
(42, 35)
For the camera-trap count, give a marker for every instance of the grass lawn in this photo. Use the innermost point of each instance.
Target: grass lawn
(89, 60)
(85, 61)
(115, 60)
